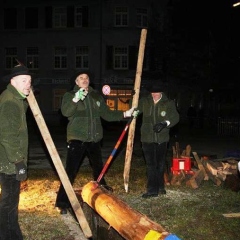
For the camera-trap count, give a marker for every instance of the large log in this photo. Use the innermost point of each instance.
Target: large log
(129, 223)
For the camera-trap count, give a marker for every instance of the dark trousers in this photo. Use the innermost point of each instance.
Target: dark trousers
(75, 156)
(9, 200)
(155, 157)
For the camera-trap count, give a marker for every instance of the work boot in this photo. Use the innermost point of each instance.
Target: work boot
(63, 211)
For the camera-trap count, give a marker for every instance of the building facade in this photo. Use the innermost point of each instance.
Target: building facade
(56, 39)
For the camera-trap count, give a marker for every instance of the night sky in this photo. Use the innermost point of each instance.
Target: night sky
(215, 24)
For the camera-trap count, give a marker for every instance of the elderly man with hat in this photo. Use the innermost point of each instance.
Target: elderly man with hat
(84, 107)
(159, 115)
(13, 149)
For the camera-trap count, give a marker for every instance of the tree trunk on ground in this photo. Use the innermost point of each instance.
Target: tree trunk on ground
(129, 223)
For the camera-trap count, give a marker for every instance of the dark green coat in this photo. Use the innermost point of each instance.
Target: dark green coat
(13, 130)
(85, 116)
(165, 109)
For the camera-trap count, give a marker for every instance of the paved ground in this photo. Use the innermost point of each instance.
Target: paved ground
(202, 141)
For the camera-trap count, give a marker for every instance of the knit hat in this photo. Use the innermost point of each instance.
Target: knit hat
(155, 88)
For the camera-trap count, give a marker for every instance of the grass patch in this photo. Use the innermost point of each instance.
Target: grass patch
(188, 213)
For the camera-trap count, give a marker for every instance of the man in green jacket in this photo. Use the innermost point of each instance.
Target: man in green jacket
(13, 149)
(84, 107)
(159, 115)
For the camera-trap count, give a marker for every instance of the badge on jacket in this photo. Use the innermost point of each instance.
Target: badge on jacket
(163, 113)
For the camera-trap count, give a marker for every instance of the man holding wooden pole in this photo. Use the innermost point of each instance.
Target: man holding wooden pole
(159, 115)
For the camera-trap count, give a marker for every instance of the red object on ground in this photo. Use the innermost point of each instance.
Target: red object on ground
(181, 164)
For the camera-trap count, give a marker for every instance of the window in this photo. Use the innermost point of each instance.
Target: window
(31, 17)
(10, 18)
(60, 17)
(120, 58)
(78, 17)
(11, 56)
(32, 57)
(121, 16)
(60, 58)
(119, 99)
(81, 16)
(82, 57)
(142, 17)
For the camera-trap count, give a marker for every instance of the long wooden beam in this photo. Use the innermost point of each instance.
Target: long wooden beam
(58, 165)
(137, 86)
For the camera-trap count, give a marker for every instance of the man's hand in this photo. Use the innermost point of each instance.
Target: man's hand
(21, 171)
(158, 127)
(80, 95)
(131, 112)
(239, 166)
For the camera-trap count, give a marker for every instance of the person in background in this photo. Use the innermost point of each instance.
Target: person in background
(13, 149)
(159, 114)
(84, 107)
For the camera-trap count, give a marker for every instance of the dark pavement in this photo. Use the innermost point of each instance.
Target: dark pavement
(204, 141)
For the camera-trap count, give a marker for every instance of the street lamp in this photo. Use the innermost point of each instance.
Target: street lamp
(236, 4)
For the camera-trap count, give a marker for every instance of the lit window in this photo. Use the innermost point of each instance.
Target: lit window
(121, 16)
(120, 58)
(10, 57)
(32, 57)
(60, 58)
(60, 17)
(82, 57)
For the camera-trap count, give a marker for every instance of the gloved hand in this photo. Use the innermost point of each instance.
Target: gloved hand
(158, 127)
(21, 171)
(131, 112)
(80, 95)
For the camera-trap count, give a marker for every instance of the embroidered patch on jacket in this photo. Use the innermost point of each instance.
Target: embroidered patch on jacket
(163, 113)
(98, 103)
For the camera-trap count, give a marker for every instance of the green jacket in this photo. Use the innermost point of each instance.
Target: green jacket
(164, 109)
(13, 130)
(85, 116)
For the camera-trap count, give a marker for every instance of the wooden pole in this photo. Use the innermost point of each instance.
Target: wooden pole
(132, 127)
(129, 223)
(58, 165)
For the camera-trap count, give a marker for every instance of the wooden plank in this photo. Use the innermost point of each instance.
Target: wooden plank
(212, 177)
(58, 165)
(196, 179)
(232, 215)
(177, 179)
(132, 127)
(200, 165)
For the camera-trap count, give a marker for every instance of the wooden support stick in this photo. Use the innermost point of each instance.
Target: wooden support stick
(58, 165)
(132, 127)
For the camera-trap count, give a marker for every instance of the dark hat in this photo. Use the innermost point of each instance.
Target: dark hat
(155, 88)
(83, 72)
(18, 70)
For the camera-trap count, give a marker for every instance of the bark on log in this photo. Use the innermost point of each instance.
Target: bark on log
(129, 223)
